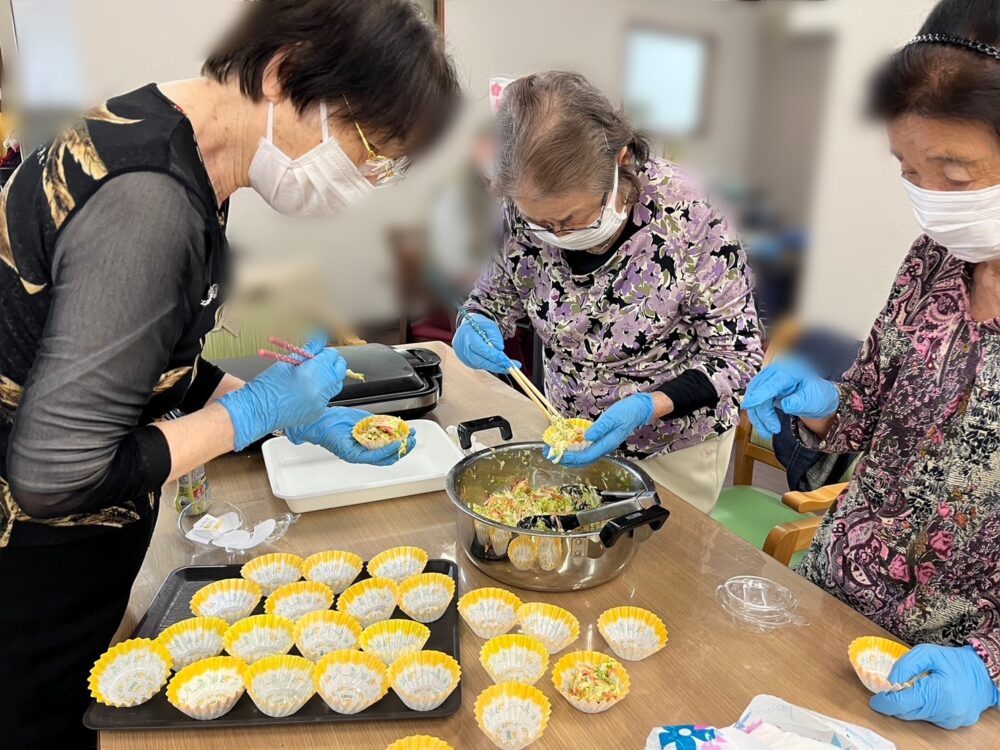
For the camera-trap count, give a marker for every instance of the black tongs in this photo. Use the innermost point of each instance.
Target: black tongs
(615, 504)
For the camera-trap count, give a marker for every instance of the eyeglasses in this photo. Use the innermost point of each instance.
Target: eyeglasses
(382, 169)
(520, 222)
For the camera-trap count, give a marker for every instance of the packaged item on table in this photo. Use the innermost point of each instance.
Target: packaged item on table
(489, 611)
(320, 633)
(299, 598)
(591, 681)
(273, 570)
(512, 715)
(370, 600)
(280, 685)
(253, 638)
(566, 435)
(390, 639)
(194, 639)
(514, 658)
(334, 568)
(425, 597)
(380, 430)
(555, 627)
(350, 681)
(130, 673)
(193, 489)
(231, 599)
(398, 563)
(424, 679)
(207, 689)
(420, 742)
(873, 659)
(632, 633)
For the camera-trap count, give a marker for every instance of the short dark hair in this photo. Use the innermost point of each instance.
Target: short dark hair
(384, 56)
(945, 81)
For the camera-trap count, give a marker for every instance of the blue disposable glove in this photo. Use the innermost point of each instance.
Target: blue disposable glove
(286, 395)
(956, 689)
(476, 353)
(613, 428)
(791, 384)
(333, 432)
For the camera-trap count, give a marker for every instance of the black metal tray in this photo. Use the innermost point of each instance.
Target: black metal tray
(170, 605)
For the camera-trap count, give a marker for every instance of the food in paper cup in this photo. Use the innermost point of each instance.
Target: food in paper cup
(489, 611)
(350, 681)
(424, 679)
(273, 570)
(512, 715)
(566, 435)
(207, 689)
(254, 638)
(522, 552)
(130, 673)
(420, 742)
(370, 600)
(320, 633)
(280, 685)
(380, 430)
(398, 563)
(591, 681)
(334, 568)
(632, 633)
(390, 639)
(231, 599)
(193, 639)
(300, 598)
(555, 627)
(873, 659)
(425, 597)
(514, 658)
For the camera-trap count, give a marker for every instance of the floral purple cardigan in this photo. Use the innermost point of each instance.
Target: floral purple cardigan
(675, 296)
(914, 541)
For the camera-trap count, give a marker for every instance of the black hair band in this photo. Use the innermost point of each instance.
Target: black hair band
(980, 47)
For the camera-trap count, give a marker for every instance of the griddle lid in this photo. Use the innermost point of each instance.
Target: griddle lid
(386, 372)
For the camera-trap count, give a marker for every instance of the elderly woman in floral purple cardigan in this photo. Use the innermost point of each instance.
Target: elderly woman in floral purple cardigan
(637, 287)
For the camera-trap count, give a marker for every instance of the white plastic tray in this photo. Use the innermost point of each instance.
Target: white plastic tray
(308, 477)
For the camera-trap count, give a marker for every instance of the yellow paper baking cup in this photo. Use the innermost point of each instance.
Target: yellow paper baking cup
(334, 568)
(193, 639)
(564, 672)
(550, 552)
(514, 658)
(300, 598)
(207, 689)
(873, 658)
(499, 540)
(231, 599)
(130, 673)
(280, 685)
(319, 633)
(554, 436)
(425, 597)
(273, 570)
(254, 638)
(370, 600)
(489, 611)
(424, 679)
(350, 681)
(398, 563)
(402, 433)
(632, 633)
(420, 742)
(554, 626)
(522, 552)
(390, 639)
(512, 715)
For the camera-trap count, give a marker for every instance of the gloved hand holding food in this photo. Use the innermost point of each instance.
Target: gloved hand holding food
(475, 352)
(793, 385)
(612, 429)
(951, 687)
(385, 439)
(286, 395)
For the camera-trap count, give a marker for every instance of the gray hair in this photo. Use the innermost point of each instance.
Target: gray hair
(557, 132)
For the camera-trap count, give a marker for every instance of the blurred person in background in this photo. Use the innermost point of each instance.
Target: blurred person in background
(914, 541)
(636, 285)
(113, 269)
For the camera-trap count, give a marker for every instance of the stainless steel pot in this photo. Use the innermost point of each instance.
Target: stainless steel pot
(546, 560)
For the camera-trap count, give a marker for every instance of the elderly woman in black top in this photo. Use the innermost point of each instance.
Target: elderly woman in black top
(113, 257)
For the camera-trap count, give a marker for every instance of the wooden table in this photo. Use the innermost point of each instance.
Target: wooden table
(707, 674)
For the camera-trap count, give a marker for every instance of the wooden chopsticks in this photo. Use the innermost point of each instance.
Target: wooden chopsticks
(299, 352)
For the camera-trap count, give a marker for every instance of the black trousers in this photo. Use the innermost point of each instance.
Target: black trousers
(60, 605)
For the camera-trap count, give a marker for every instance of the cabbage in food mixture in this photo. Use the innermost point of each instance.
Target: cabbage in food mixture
(522, 500)
(596, 684)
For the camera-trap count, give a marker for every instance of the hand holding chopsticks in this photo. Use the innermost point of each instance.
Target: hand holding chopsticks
(299, 352)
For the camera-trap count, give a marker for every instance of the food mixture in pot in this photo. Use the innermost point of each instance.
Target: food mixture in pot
(522, 500)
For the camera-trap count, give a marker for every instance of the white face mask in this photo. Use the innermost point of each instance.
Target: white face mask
(965, 223)
(585, 239)
(318, 183)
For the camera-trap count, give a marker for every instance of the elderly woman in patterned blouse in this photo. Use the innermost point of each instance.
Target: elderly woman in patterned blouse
(914, 542)
(637, 287)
